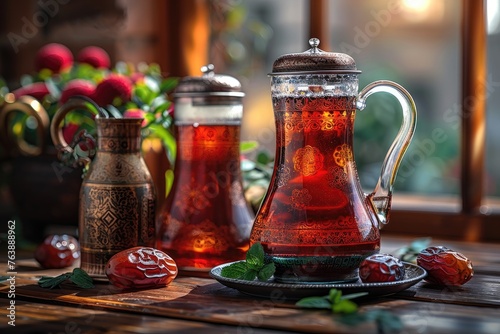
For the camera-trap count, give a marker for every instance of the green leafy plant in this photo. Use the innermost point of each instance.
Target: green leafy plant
(77, 276)
(253, 267)
(334, 301)
(256, 173)
(122, 90)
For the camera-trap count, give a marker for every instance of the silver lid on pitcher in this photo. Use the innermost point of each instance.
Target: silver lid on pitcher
(314, 60)
(209, 85)
(208, 99)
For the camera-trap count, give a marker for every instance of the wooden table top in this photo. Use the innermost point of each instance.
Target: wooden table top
(192, 305)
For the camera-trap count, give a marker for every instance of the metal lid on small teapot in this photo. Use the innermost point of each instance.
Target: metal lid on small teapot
(314, 60)
(209, 85)
(209, 99)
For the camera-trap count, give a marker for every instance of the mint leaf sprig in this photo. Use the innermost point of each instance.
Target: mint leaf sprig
(334, 301)
(78, 277)
(386, 321)
(253, 266)
(410, 252)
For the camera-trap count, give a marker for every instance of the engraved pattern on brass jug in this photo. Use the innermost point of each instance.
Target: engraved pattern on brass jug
(117, 197)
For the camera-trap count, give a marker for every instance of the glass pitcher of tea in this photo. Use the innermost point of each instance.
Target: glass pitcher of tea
(206, 220)
(315, 223)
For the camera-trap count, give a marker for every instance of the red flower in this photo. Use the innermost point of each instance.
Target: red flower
(137, 77)
(85, 146)
(135, 113)
(69, 132)
(171, 110)
(38, 90)
(56, 57)
(114, 86)
(77, 87)
(95, 56)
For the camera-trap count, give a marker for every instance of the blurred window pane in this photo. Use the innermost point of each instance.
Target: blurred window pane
(417, 44)
(413, 42)
(492, 182)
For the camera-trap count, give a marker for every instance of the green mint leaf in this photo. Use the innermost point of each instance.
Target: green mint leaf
(255, 257)
(334, 302)
(248, 146)
(344, 306)
(263, 158)
(314, 302)
(334, 296)
(81, 279)
(410, 252)
(236, 270)
(266, 272)
(252, 267)
(249, 275)
(78, 277)
(52, 282)
(418, 245)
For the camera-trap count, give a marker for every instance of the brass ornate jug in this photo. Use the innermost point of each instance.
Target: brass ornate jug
(315, 222)
(117, 197)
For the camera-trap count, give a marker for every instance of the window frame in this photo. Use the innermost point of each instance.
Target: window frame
(473, 218)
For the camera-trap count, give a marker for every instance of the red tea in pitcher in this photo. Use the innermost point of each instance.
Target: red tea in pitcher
(206, 220)
(315, 215)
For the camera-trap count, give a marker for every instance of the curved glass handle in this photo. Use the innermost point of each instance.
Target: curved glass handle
(31, 107)
(381, 196)
(66, 153)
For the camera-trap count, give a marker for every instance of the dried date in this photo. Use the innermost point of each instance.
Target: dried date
(381, 268)
(58, 251)
(445, 266)
(141, 268)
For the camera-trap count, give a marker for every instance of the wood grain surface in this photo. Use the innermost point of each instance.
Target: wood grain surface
(190, 304)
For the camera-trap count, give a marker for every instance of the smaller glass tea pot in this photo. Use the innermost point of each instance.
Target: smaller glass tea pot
(206, 220)
(315, 222)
